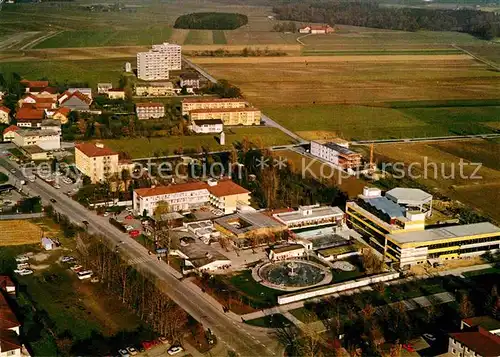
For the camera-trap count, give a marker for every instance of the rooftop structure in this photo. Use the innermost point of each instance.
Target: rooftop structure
(310, 215)
(450, 234)
(242, 224)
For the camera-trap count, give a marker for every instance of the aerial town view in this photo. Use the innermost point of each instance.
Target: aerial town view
(256, 178)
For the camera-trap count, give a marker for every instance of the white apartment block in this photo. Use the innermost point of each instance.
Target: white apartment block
(207, 126)
(146, 111)
(231, 116)
(157, 62)
(45, 139)
(189, 104)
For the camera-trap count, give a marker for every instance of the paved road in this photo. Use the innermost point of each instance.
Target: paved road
(235, 335)
(266, 120)
(427, 139)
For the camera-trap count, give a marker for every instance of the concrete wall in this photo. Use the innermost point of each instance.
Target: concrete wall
(334, 288)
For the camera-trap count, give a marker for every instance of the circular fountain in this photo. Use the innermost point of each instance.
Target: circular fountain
(290, 275)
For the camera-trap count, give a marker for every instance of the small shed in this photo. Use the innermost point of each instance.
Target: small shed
(48, 244)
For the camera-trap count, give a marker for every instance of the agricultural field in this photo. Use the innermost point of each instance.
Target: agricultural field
(19, 232)
(356, 97)
(442, 158)
(161, 146)
(199, 37)
(90, 71)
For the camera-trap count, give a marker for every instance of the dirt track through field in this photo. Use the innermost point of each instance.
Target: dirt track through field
(320, 59)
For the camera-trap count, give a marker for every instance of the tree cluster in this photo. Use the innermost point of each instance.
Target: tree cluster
(246, 52)
(211, 21)
(224, 89)
(134, 289)
(369, 14)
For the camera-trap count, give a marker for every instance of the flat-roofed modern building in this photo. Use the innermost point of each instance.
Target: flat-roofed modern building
(337, 154)
(398, 230)
(313, 215)
(156, 63)
(229, 116)
(45, 139)
(443, 243)
(189, 104)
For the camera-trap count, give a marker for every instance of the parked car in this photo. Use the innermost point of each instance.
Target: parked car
(106, 214)
(85, 274)
(13, 171)
(174, 350)
(163, 340)
(23, 271)
(129, 228)
(123, 352)
(52, 200)
(22, 258)
(408, 347)
(132, 350)
(67, 259)
(76, 268)
(56, 186)
(129, 217)
(22, 266)
(429, 337)
(134, 233)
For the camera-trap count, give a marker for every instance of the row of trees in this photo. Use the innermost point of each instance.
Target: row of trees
(246, 52)
(140, 293)
(369, 14)
(285, 26)
(211, 21)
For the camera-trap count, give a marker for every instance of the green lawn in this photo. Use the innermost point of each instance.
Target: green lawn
(365, 122)
(270, 321)
(108, 37)
(90, 71)
(261, 295)
(304, 315)
(219, 37)
(481, 272)
(162, 146)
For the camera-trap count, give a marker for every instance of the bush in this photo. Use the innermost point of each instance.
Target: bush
(211, 21)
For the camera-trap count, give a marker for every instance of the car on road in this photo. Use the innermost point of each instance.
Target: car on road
(86, 223)
(52, 200)
(174, 350)
(132, 350)
(106, 214)
(56, 186)
(129, 217)
(13, 171)
(123, 353)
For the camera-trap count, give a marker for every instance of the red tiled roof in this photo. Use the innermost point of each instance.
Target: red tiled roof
(5, 280)
(7, 317)
(9, 341)
(10, 128)
(50, 90)
(63, 111)
(481, 341)
(30, 84)
(214, 100)
(223, 188)
(91, 150)
(25, 113)
(79, 95)
(164, 190)
(224, 110)
(226, 188)
(5, 109)
(147, 105)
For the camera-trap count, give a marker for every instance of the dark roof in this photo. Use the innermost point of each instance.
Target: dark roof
(9, 341)
(7, 317)
(486, 322)
(190, 75)
(341, 149)
(208, 121)
(481, 341)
